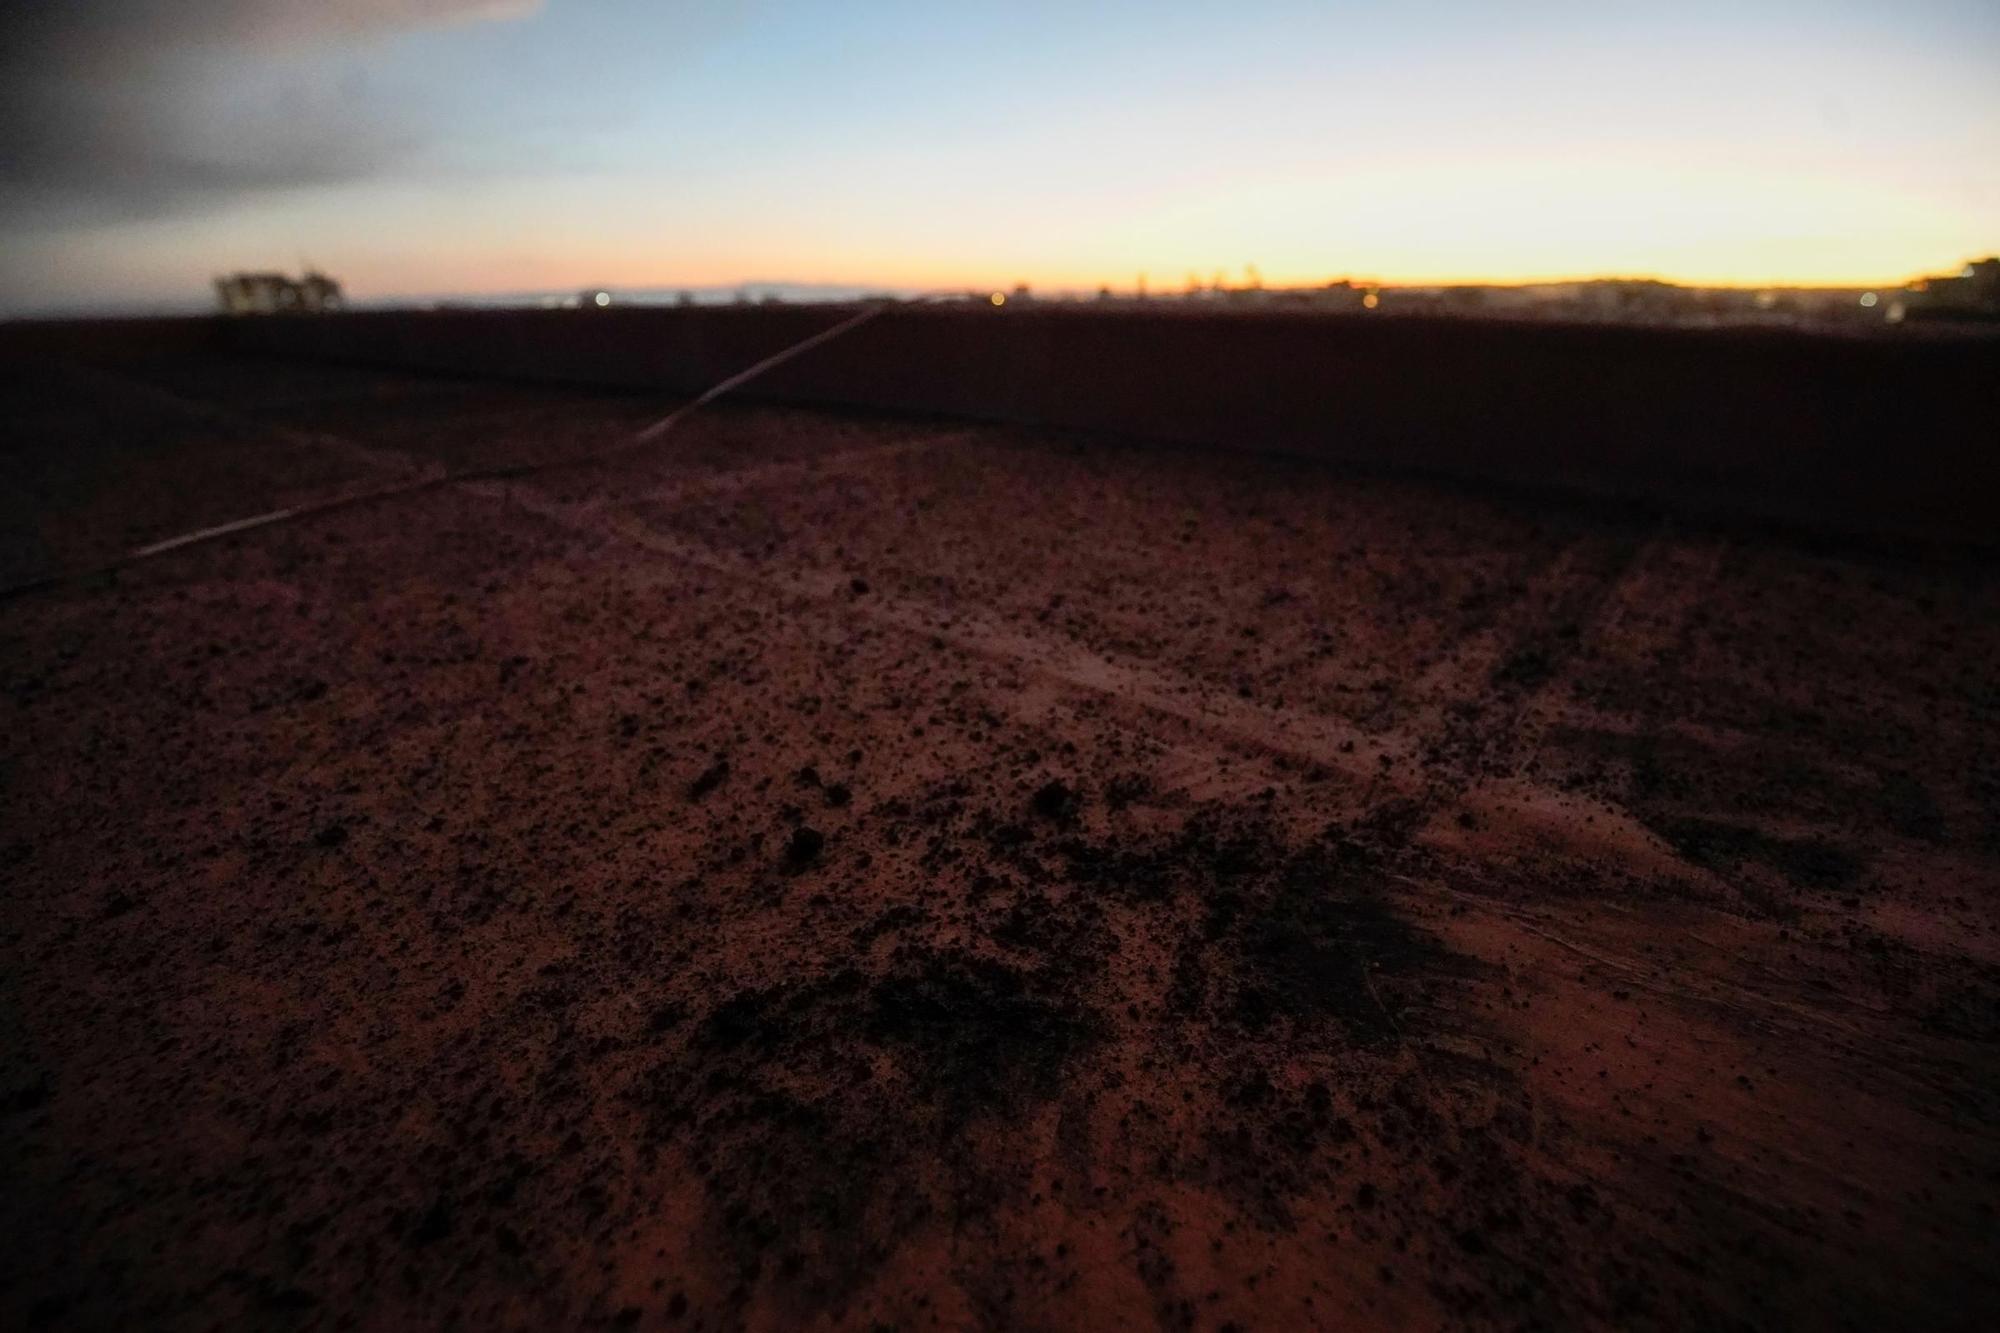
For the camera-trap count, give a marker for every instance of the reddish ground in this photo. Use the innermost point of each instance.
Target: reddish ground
(831, 871)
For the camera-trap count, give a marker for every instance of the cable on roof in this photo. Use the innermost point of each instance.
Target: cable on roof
(354, 499)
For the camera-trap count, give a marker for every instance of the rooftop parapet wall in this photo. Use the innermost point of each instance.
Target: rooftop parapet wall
(105, 340)
(1883, 435)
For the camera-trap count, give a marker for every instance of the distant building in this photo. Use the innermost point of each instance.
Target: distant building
(1338, 295)
(276, 294)
(1972, 293)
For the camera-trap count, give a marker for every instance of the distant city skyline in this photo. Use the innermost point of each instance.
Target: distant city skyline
(473, 147)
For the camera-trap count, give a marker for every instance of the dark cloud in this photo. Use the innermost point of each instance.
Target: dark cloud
(113, 109)
(111, 32)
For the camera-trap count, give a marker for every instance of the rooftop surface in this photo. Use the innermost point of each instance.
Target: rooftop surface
(829, 870)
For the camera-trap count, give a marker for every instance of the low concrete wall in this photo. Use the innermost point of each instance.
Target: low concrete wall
(1888, 435)
(106, 340)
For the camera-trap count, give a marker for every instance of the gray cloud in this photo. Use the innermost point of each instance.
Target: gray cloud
(115, 32)
(115, 109)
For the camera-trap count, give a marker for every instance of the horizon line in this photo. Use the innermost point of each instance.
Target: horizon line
(201, 295)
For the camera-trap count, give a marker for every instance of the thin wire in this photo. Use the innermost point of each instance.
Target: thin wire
(643, 436)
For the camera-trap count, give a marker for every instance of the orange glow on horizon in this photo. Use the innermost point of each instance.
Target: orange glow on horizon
(424, 277)
(1457, 223)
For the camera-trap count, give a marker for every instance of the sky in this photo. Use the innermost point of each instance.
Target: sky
(437, 147)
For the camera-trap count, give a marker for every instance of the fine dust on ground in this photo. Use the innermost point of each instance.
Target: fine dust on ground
(840, 872)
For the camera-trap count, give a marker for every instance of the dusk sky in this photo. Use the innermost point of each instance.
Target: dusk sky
(416, 147)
